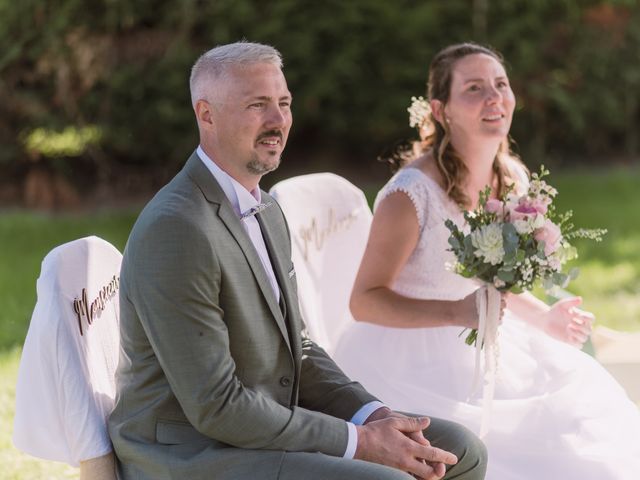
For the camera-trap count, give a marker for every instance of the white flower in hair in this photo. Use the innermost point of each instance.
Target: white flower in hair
(419, 111)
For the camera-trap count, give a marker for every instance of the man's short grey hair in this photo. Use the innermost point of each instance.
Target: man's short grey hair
(214, 64)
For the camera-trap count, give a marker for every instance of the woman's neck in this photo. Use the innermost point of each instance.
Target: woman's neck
(478, 158)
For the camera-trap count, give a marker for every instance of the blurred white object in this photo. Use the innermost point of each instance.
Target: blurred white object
(619, 353)
(329, 219)
(66, 385)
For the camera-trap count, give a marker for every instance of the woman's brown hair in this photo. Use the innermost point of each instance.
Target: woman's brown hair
(435, 136)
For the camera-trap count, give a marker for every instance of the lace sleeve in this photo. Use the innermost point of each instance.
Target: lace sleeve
(410, 182)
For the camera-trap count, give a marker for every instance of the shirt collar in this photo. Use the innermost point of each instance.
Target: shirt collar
(242, 200)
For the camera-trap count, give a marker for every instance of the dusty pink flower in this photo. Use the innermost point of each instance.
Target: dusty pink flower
(541, 205)
(551, 235)
(493, 205)
(526, 209)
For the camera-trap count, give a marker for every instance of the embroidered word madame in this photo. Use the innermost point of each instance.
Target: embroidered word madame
(316, 236)
(90, 311)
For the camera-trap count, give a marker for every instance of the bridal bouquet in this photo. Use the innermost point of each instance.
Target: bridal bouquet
(514, 242)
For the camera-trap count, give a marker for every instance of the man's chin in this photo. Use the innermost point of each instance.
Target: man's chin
(261, 167)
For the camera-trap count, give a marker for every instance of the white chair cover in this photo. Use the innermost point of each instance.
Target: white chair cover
(66, 384)
(329, 219)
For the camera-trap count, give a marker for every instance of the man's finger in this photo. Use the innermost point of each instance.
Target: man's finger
(418, 437)
(423, 471)
(437, 455)
(439, 469)
(411, 424)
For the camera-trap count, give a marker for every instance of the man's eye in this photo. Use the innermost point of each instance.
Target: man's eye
(285, 104)
(256, 105)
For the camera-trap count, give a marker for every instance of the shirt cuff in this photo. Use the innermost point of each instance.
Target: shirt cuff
(352, 443)
(361, 415)
(358, 419)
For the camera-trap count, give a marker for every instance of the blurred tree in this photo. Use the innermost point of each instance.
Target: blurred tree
(121, 68)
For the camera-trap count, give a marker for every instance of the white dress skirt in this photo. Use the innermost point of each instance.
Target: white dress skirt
(557, 414)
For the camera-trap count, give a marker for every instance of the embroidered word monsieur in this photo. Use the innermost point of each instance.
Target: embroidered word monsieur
(89, 311)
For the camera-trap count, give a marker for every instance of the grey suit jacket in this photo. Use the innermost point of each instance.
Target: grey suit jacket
(209, 360)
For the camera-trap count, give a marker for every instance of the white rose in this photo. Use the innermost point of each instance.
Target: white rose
(539, 221)
(498, 283)
(488, 243)
(523, 226)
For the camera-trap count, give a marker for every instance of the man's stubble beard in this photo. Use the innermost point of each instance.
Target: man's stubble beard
(255, 166)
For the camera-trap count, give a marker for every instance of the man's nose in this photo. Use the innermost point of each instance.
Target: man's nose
(276, 117)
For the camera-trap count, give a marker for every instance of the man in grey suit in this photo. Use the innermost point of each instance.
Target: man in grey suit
(217, 379)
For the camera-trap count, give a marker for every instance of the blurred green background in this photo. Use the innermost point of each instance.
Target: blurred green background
(94, 100)
(95, 116)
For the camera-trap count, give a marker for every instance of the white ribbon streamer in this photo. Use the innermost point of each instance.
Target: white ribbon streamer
(488, 305)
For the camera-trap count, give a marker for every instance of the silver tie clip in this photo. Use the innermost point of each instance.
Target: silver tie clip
(255, 209)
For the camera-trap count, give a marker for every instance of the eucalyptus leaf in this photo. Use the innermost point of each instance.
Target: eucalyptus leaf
(506, 276)
(573, 273)
(560, 279)
(510, 237)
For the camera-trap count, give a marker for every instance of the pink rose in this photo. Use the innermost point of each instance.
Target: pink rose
(493, 205)
(527, 208)
(551, 235)
(541, 205)
(522, 212)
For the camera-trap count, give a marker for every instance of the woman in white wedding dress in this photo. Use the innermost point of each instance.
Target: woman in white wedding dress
(557, 414)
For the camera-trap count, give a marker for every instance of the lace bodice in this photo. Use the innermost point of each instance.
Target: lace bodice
(425, 275)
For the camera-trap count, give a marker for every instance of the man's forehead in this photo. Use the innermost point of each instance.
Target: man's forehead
(257, 80)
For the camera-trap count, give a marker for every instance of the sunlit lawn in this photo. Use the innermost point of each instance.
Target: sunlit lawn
(609, 279)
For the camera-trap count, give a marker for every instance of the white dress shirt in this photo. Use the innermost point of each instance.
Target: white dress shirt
(242, 201)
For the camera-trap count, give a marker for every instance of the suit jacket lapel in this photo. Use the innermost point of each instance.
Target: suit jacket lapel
(199, 173)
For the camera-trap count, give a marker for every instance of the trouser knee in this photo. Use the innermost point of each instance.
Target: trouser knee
(472, 453)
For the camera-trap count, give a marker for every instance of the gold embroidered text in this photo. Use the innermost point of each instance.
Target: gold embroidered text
(316, 236)
(89, 311)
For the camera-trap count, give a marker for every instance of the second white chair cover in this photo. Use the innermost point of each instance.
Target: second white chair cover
(329, 220)
(66, 387)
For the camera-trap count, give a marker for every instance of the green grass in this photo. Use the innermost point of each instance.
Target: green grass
(609, 279)
(25, 239)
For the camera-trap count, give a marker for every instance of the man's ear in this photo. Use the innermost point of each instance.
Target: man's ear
(204, 114)
(437, 110)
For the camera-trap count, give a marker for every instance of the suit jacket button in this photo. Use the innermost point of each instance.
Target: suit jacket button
(285, 381)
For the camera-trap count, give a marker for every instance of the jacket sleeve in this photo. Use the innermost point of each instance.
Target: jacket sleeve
(325, 388)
